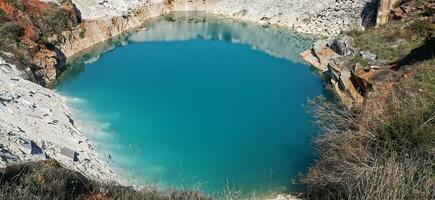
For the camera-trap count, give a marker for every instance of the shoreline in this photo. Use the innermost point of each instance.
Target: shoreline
(234, 25)
(33, 112)
(107, 24)
(97, 31)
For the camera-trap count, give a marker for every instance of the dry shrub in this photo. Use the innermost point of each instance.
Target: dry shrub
(49, 180)
(387, 155)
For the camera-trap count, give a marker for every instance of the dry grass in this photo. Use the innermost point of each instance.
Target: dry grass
(386, 155)
(384, 149)
(394, 40)
(48, 180)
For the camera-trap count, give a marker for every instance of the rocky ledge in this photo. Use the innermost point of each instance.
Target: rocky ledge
(333, 57)
(35, 124)
(352, 73)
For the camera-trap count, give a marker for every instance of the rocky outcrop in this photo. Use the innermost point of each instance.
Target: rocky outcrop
(95, 31)
(343, 45)
(349, 80)
(326, 17)
(92, 32)
(46, 62)
(319, 55)
(109, 19)
(384, 9)
(41, 24)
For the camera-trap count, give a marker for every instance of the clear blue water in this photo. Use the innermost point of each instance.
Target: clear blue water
(201, 109)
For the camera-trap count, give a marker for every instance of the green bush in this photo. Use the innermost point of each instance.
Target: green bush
(3, 17)
(82, 33)
(58, 20)
(420, 27)
(11, 31)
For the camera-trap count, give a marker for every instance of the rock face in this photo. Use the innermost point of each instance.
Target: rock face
(111, 18)
(46, 61)
(41, 23)
(343, 45)
(349, 80)
(325, 17)
(92, 32)
(29, 111)
(319, 55)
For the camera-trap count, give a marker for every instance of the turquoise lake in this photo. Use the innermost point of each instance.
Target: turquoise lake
(199, 102)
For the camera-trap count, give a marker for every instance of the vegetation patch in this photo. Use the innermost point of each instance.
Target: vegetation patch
(48, 180)
(384, 149)
(370, 155)
(393, 40)
(82, 33)
(17, 4)
(31, 26)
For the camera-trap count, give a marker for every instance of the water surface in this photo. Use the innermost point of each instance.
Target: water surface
(201, 102)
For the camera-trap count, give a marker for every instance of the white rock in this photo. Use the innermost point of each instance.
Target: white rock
(40, 114)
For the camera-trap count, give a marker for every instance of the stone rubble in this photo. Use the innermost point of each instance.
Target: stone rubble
(29, 111)
(349, 80)
(325, 17)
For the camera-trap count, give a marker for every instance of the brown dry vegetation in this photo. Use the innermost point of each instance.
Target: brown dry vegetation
(48, 180)
(384, 149)
(367, 154)
(27, 26)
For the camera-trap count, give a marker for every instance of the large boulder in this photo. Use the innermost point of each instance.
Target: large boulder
(366, 55)
(319, 55)
(335, 67)
(343, 45)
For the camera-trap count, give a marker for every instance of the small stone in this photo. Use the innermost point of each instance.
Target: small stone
(366, 55)
(343, 45)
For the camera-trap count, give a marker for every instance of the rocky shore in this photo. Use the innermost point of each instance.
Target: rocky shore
(103, 21)
(28, 110)
(31, 112)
